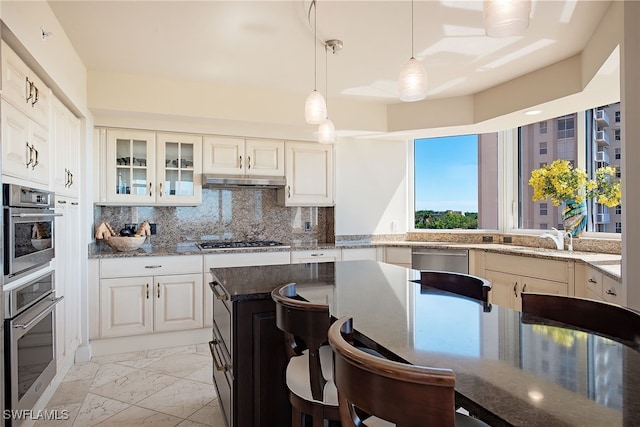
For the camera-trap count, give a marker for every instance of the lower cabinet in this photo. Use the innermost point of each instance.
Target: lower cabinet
(596, 285)
(510, 275)
(134, 302)
(249, 363)
(398, 256)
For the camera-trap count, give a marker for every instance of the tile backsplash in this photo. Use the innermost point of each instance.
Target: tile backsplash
(227, 214)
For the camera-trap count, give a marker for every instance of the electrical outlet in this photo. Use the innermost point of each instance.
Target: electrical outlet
(307, 226)
(487, 239)
(507, 239)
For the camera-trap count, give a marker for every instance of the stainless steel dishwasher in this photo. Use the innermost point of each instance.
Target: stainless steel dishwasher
(454, 260)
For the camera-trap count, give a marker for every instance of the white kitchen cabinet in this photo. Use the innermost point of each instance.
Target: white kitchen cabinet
(309, 170)
(66, 150)
(145, 168)
(23, 89)
(67, 278)
(239, 156)
(245, 259)
(398, 256)
(316, 255)
(510, 275)
(25, 147)
(142, 295)
(353, 254)
(597, 285)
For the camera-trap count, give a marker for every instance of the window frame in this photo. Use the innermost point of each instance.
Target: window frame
(507, 181)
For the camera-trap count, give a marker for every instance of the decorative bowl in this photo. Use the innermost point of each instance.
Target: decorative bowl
(123, 244)
(41, 244)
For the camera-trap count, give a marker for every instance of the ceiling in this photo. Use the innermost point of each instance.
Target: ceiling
(269, 44)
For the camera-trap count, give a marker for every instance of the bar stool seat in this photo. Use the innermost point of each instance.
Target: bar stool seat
(298, 381)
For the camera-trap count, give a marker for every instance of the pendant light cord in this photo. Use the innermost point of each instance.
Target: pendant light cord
(326, 77)
(411, 28)
(315, 44)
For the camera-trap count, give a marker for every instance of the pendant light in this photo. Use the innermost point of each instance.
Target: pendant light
(315, 108)
(413, 77)
(327, 130)
(506, 18)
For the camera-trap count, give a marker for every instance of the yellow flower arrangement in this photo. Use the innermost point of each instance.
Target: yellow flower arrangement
(561, 182)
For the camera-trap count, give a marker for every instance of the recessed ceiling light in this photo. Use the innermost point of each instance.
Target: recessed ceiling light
(533, 112)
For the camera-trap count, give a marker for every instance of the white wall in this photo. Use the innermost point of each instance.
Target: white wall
(371, 186)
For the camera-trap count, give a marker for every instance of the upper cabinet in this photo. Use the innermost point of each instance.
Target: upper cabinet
(25, 146)
(23, 89)
(309, 173)
(25, 121)
(66, 158)
(239, 156)
(145, 168)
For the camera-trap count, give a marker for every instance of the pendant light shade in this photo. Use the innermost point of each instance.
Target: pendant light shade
(315, 109)
(505, 18)
(326, 132)
(413, 81)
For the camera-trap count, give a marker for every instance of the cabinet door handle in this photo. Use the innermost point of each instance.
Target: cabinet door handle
(37, 97)
(62, 202)
(219, 366)
(33, 166)
(158, 289)
(611, 292)
(321, 254)
(221, 297)
(28, 90)
(248, 162)
(592, 280)
(515, 287)
(240, 162)
(153, 266)
(70, 179)
(160, 190)
(29, 155)
(150, 192)
(289, 191)
(147, 291)
(524, 288)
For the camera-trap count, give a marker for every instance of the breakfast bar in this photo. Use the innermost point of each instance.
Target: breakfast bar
(509, 370)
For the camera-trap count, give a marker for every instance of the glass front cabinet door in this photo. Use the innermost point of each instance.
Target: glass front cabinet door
(145, 168)
(130, 166)
(179, 169)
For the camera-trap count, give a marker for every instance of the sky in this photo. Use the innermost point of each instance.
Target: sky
(446, 173)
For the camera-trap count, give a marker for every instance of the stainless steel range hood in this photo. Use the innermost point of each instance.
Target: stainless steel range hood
(237, 181)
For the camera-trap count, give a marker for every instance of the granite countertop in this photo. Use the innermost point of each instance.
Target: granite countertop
(606, 263)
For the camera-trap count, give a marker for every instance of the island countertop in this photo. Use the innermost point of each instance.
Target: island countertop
(514, 372)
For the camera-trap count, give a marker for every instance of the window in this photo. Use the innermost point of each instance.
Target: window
(617, 116)
(543, 209)
(618, 210)
(543, 127)
(544, 226)
(543, 148)
(617, 152)
(450, 189)
(617, 134)
(566, 127)
(618, 227)
(618, 172)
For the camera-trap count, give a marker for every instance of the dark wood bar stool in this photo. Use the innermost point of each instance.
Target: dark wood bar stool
(462, 284)
(309, 373)
(611, 320)
(391, 392)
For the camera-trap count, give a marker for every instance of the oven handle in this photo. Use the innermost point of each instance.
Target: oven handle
(32, 215)
(39, 315)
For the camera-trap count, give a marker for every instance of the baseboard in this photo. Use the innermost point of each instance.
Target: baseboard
(108, 346)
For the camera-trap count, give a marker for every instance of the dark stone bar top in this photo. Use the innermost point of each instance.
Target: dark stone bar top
(509, 371)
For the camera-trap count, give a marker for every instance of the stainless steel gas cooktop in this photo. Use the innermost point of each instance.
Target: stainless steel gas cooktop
(223, 244)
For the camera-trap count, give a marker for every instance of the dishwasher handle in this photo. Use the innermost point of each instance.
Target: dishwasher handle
(463, 253)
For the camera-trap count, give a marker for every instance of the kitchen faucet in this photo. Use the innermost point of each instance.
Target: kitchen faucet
(558, 238)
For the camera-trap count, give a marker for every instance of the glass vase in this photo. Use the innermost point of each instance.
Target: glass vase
(574, 217)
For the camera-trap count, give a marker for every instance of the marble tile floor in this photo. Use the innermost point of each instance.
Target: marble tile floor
(158, 388)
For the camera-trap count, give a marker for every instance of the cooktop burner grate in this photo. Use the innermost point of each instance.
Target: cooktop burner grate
(238, 245)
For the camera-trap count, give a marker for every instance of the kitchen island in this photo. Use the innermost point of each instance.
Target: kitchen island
(508, 371)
